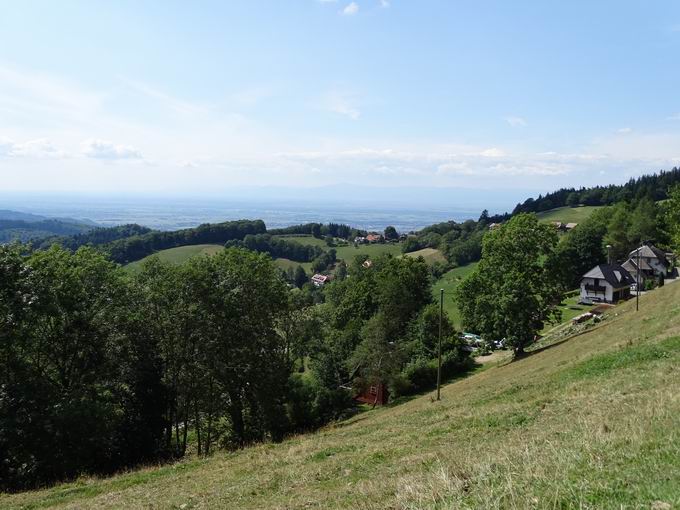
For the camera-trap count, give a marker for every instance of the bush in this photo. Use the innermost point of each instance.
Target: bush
(310, 405)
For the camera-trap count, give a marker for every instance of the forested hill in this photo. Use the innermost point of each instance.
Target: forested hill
(22, 230)
(126, 248)
(653, 186)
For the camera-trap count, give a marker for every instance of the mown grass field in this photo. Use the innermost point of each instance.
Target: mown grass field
(592, 422)
(179, 255)
(568, 214)
(309, 240)
(347, 253)
(431, 255)
(287, 263)
(449, 281)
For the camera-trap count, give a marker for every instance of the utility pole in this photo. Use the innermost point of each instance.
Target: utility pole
(439, 349)
(609, 254)
(637, 283)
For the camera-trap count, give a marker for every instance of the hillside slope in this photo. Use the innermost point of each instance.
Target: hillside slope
(178, 255)
(591, 422)
(568, 214)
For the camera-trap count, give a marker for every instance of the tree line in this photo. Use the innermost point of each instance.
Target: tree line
(23, 231)
(101, 369)
(320, 230)
(654, 187)
(97, 236)
(278, 247)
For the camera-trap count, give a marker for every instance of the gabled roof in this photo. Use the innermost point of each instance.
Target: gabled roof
(632, 265)
(614, 274)
(649, 251)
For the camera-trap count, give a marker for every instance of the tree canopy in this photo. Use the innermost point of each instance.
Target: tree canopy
(516, 286)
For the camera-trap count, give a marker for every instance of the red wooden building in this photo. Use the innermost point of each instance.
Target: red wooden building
(374, 394)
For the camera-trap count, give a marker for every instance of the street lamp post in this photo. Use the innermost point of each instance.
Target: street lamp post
(637, 281)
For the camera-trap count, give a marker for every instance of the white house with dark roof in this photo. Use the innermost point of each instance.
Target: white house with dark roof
(606, 283)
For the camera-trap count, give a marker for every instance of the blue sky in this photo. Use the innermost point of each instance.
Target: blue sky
(208, 97)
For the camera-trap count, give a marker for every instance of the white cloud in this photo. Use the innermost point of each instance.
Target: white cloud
(624, 130)
(384, 4)
(674, 117)
(39, 148)
(342, 103)
(492, 153)
(516, 121)
(351, 9)
(103, 149)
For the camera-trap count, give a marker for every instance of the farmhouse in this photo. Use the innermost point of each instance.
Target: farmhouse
(606, 283)
(373, 238)
(319, 280)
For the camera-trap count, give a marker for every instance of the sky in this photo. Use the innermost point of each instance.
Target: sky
(215, 97)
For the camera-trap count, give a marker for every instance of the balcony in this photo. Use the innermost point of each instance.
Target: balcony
(596, 288)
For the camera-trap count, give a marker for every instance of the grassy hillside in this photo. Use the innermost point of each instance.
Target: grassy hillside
(449, 281)
(568, 214)
(348, 253)
(183, 253)
(309, 240)
(180, 254)
(287, 263)
(431, 255)
(591, 422)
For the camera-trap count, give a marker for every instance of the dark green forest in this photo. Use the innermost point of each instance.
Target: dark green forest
(102, 370)
(654, 186)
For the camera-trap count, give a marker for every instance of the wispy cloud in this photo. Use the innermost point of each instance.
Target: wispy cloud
(516, 121)
(384, 4)
(342, 103)
(252, 96)
(103, 149)
(169, 101)
(624, 130)
(674, 117)
(351, 9)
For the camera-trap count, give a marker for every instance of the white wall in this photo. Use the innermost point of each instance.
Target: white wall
(608, 294)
